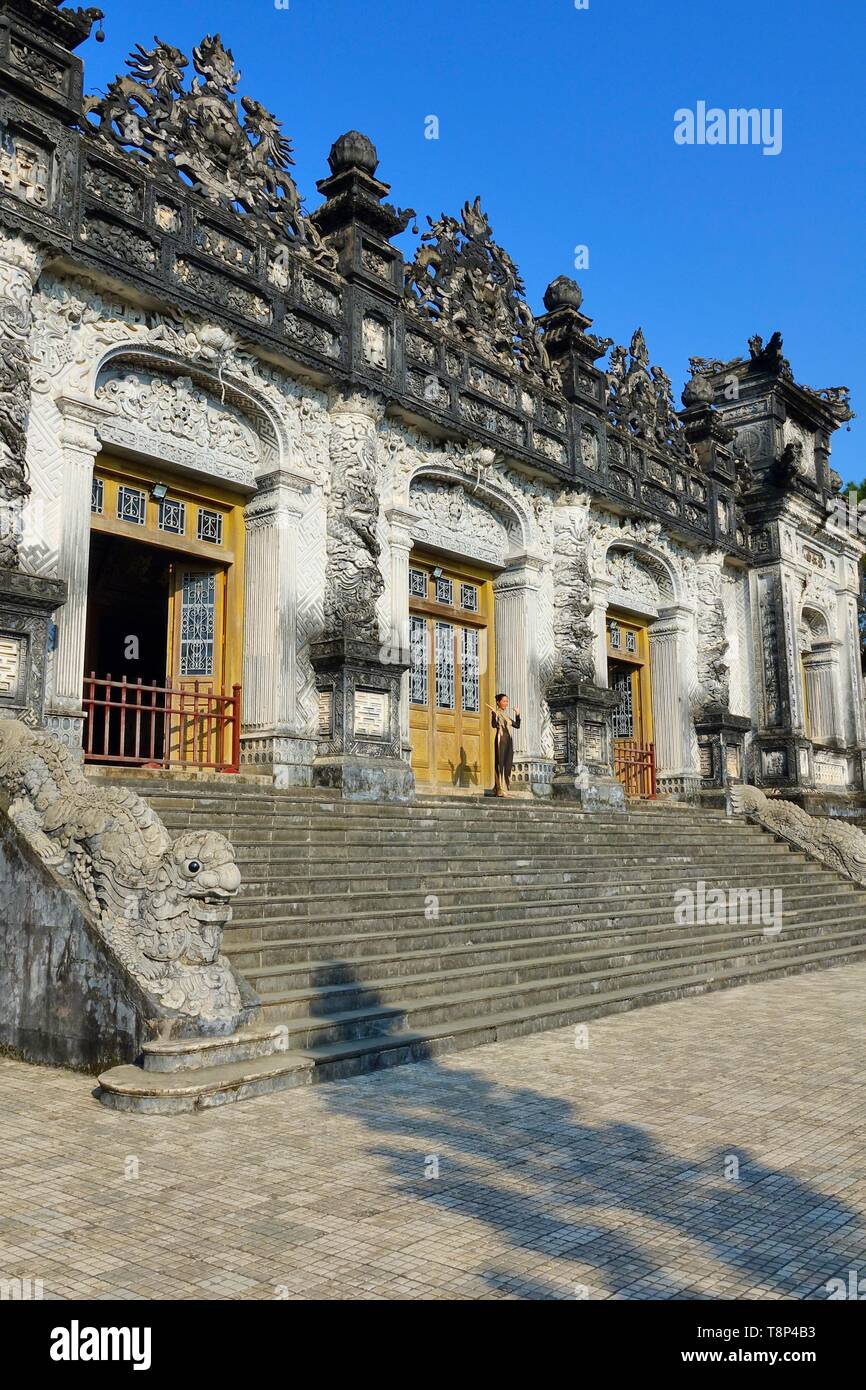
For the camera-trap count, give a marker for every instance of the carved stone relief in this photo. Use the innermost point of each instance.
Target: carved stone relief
(573, 629)
(354, 583)
(20, 263)
(197, 137)
(713, 683)
(450, 518)
(174, 406)
(159, 903)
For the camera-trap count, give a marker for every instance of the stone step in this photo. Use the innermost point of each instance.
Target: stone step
(131, 1088)
(369, 947)
(491, 812)
(193, 1054)
(603, 912)
(449, 808)
(440, 995)
(311, 1031)
(397, 876)
(328, 961)
(328, 847)
(312, 846)
(546, 915)
(560, 887)
(275, 880)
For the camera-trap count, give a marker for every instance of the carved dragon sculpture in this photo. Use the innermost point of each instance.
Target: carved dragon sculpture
(160, 904)
(197, 136)
(840, 846)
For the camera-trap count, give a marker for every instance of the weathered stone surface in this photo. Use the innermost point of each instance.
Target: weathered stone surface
(840, 846)
(159, 904)
(64, 996)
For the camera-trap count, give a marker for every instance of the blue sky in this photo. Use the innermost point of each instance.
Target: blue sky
(563, 120)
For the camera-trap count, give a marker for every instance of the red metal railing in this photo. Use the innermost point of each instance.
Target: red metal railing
(161, 725)
(635, 766)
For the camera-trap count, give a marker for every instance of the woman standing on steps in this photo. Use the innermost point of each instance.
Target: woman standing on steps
(503, 748)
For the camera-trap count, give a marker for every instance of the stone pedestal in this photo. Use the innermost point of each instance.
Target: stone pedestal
(782, 760)
(721, 749)
(583, 746)
(26, 604)
(360, 739)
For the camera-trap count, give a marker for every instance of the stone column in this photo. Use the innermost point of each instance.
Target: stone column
(851, 637)
(517, 662)
(80, 444)
(822, 674)
(20, 263)
(359, 678)
(271, 738)
(674, 733)
(600, 603)
(400, 522)
(353, 582)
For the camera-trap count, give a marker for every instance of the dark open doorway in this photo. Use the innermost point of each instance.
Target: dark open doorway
(127, 610)
(127, 638)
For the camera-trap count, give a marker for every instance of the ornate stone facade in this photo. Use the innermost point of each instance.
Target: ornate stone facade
(356, 407)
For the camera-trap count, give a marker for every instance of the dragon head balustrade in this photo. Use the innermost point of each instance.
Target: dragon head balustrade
(160, 904)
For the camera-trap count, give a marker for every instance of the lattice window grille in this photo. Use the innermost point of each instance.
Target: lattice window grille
(172, 516)
(418, 583)
(210, 526)
(623, 714)
(97, 496)
(631, 642)
(444, 591)
(469, 598)
(444, 646)
(131, 505)
(419, 686)
(470, 671)
(197, 624)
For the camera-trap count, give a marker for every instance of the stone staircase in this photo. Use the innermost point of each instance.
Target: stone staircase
(379, 934)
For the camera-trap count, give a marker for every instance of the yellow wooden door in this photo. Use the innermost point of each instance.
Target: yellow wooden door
(197, 613)
(629, 675)
(450, 676)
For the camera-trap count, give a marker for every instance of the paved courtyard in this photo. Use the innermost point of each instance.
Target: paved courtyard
(712, 1147)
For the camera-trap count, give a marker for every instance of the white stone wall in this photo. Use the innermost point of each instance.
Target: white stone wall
(107, 373)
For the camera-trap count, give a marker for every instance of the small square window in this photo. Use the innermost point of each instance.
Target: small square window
(172, 516)
(418, 583)
(444, 591)
(131, 505)
(631, 642)
(210, 526)
(613, 629)
(97, 496)
(469, 598)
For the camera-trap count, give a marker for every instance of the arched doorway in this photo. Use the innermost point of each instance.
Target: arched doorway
(164, 619)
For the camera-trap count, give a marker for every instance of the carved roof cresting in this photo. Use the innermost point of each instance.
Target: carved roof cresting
(197, 136)
(461, 278)
(640, 397)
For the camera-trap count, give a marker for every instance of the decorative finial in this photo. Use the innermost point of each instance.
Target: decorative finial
(698, 391)
(353, 151)
(563, 293)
